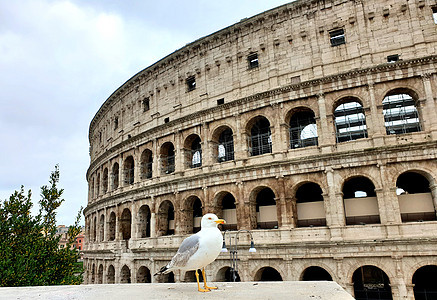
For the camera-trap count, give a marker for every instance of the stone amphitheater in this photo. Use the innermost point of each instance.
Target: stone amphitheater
(311, 127)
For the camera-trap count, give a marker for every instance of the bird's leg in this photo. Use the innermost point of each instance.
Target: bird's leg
(198, 284)
(204, 281)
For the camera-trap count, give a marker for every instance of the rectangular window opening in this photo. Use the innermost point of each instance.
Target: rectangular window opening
(393, 58)
(337, 37)
(434, 14)
(221, 101)
(146, 104)
(191, 83)
(253, 60)
(166, 120)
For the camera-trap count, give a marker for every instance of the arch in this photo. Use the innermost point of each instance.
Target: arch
(167, 158)
(111, 226)
(165, 220)
(401, 115)
(144, 217)
(98, 185)
(126, 224)
(125, 276)
(143, 275)
(265, 208)
(100, 274)
(102, 227)
(93, 273)
(310, 207)
(260, 136)
(349, 120)
(424, 282)
(315, 273)
(193, 213)
(226, 209)
(371, 282)
(168, 278)
(415, 197)
(193, 151)
(115, 176)
(223, 139)
(105, 180)
(303, 128)
(146, 164)
(95, 229)
(190, 276)
(129, 170)
(225, 274)
(267, 274)
(110, 277)
(360, 201)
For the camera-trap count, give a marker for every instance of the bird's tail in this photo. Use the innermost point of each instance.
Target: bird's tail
(161, 271)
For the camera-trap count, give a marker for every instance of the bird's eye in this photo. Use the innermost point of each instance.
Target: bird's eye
(209, 218)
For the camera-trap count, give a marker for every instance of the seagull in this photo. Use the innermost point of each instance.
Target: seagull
(198, 251)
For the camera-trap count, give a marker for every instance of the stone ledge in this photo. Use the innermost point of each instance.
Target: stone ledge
(297, 290)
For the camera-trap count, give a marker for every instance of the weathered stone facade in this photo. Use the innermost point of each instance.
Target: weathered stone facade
(314, 125)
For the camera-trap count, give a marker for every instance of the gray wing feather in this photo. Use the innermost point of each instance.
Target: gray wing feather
(188, 247)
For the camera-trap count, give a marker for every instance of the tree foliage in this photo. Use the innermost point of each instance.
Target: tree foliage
(29, 253)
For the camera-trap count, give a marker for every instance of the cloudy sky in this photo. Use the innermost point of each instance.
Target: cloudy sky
(60, 60)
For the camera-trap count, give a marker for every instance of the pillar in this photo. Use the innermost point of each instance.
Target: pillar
(324, 133)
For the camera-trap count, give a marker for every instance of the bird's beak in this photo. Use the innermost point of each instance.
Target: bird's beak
(220, 221)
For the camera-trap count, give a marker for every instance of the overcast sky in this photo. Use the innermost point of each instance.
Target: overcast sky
(60, 60)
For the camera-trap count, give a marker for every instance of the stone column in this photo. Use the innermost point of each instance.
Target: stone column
(277, 138)
(427, 115)
(324, 132)
(388, 200)
(179, 152)
(206, 146)
(433, 188)
(334, 208)
(117, 224)
(243, 219)
(240, 151)
(376, 117)
(156, 163)
(284, 219)
(152, 217)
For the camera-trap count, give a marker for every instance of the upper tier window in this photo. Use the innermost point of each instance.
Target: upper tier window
(337, 37)
(252, 59)
(191, 83)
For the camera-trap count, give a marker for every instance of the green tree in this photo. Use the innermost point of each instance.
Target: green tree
(29, 253)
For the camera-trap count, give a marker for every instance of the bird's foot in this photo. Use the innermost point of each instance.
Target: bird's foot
(210, 287)
(203, 290)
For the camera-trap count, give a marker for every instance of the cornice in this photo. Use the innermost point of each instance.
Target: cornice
(262, 95)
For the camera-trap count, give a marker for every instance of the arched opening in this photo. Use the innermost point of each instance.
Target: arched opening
(371, 282)
(143, 275)
(225, 147)
(111, 226)
(95, 229)
(303, 129)
(128, 170)
(193, 151)
(105, 180)
(260, 141)
(100, 275)
(266, 214)
(115, 176)
(193, 214)
(268, 274)
(226, 274)
(424, 283)
(350, 121)
(167, 158)
(400, 112)
(190, 276)
(92, 189)
(228, 211)
(165, 220)
(144, 216)
(146, 164)
(126, 224)
(102, 228)
(110, 277)
(168, 278)
(125, 275)
(360, 202)
(310, 209)
(415, 198)
(315, 273)
(98, 185)
(93, 274)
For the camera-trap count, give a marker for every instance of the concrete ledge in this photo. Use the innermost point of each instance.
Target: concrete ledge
(296, 290)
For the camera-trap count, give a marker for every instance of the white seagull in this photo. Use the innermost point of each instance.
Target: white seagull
(199, 250)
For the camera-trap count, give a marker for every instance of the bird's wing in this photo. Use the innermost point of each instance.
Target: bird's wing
(188, 247)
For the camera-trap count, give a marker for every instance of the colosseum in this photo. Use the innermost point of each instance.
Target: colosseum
(311, 126)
